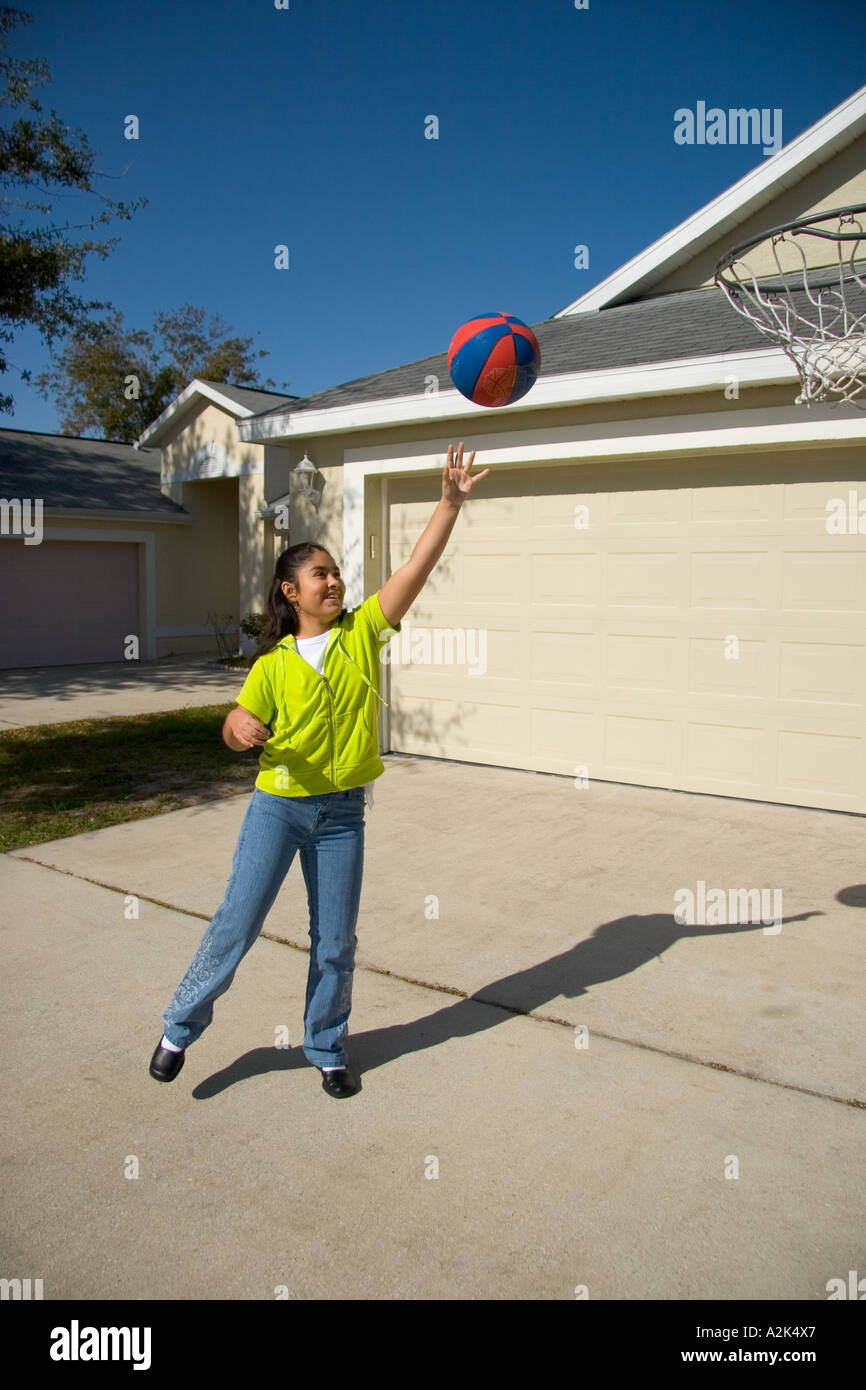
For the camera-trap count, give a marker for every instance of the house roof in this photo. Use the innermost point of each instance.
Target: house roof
(773, 176)
(83, 474)
(240, 401)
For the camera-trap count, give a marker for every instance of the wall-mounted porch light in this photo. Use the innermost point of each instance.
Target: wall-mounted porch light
(303, 474)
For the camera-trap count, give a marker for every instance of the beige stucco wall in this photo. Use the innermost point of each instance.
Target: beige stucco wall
(202, 422)
(219, 564)
(307, 522)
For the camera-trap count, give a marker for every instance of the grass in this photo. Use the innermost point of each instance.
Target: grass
(60, 779)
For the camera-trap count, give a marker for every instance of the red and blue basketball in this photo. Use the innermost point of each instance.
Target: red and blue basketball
(494, 359)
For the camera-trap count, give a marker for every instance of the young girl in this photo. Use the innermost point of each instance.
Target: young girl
(315, 679)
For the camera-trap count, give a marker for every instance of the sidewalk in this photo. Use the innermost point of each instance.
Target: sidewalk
(31, 695)
(708, 1049)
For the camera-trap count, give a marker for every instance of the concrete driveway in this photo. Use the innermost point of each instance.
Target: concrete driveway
(564, 1088)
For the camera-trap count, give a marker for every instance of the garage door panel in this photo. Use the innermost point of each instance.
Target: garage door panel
(569, 658)
(564, 739)
(562, 514)
(557, 578)
(67, 602)
(641, 511)
(827, 579)
(752, 508)
(818, 763)
(704, 631)
(496, 514)
(736, 580)
(722, 754)
(823, 673)
(641, 662)
(489, 577)
(804, 505)
(641, 746)
(742, 675)
(644, 579)
(491, 731)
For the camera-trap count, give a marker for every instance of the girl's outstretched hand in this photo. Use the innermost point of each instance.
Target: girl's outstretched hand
(457, 482)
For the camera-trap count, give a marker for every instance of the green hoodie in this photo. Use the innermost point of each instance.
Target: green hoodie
(325, 729)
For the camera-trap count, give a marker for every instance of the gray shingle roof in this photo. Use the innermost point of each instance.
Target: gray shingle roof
(96, 474)
(249, 396)
(690, 323)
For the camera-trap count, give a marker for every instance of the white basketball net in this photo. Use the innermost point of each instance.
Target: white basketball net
(817, 315)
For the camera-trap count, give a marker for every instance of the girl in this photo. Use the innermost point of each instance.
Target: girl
(315, 679)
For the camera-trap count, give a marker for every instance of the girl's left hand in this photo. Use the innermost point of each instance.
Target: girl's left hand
(456, 480)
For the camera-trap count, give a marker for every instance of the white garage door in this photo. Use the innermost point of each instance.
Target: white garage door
(66, 602)
(703, 631)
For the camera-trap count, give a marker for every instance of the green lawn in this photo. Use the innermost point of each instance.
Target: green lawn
(60, 779)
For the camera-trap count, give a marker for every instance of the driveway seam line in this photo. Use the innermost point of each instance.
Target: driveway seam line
(850, 1101)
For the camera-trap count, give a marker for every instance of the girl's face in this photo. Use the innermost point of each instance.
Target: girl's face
(320, 589)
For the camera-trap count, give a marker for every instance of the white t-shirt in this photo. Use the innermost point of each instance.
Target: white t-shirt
(312, 649)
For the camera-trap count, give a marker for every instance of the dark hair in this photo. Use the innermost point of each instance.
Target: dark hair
(282, 615)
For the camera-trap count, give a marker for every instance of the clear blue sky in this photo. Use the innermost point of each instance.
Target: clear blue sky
(305, 126)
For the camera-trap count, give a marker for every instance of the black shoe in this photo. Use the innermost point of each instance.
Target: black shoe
(164, 1064)
(339, 1083)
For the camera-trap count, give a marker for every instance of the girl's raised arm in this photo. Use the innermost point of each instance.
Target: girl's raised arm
(400, 591)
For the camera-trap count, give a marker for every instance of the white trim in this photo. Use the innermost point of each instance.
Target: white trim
(147, 582)
(195, 388)
(773, 176)
(231, 470)
(97, 514)
(726, 431)
(384, 571)
(767, 366)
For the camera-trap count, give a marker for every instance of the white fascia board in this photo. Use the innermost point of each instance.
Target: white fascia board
(737, 428)
(250, 469)
(131, 518)
(768, 366)
(195, 388)
(782, 170)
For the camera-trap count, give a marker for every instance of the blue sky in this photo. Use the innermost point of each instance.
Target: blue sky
(305, 126)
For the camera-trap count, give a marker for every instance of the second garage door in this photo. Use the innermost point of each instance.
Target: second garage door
(686, 625)
(67, 602)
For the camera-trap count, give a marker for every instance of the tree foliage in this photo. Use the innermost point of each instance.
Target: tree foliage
(111, 379)
(106, 377)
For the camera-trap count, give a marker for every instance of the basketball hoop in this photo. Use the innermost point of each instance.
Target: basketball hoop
(814, 305)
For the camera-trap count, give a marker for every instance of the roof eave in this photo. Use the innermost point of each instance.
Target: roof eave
(762, 367)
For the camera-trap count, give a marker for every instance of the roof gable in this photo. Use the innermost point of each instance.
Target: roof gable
(239, 401)
(730, 217)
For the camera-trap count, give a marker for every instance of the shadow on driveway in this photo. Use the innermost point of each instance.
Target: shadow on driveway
(615, 949)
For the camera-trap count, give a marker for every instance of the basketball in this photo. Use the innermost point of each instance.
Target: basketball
(494, 359)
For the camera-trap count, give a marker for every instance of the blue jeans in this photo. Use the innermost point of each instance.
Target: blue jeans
(328, 829)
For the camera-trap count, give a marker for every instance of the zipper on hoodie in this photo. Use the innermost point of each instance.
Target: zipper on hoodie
(347, 655)
(333, 737)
